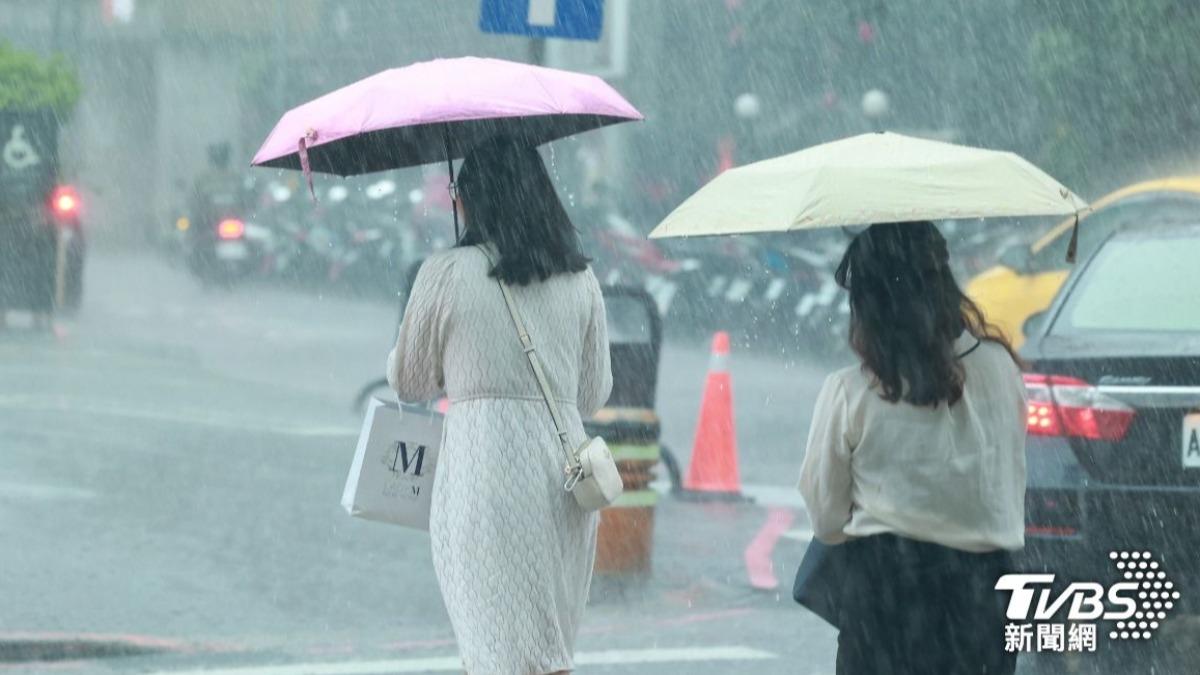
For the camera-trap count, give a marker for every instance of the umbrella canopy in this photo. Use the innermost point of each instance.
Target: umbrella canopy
(436, 111)
(867, 179)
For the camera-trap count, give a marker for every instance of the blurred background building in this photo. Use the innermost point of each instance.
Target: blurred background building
(722, 82)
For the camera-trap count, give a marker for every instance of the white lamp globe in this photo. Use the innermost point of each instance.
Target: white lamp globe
(747, 106)
(875, 104)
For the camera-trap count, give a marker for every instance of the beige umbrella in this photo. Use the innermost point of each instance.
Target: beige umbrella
(872, 178)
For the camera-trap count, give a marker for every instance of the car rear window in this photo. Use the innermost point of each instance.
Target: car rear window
(1146, 283)
(1134, 211)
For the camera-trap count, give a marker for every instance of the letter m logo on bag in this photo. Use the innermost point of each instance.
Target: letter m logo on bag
(406, 460)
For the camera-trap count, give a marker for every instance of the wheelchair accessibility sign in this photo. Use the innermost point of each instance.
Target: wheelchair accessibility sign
(18, 154)
(28, 156)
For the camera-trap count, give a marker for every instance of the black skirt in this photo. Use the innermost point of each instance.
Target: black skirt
(915, 607)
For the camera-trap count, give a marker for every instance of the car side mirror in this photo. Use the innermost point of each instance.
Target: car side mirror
(1034, 323)
(1016, 258)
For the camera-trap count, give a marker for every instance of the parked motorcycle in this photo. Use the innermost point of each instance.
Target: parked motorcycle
(820, 311)
(220, 244)
(623, 255)
(376, 248)
(716, 281)
(297, 250)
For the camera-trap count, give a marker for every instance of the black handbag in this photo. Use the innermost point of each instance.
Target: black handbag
(819, 581)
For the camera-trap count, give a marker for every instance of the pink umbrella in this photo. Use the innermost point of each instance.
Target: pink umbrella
(438, 110)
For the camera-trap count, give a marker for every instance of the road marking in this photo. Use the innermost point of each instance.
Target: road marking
(759, 567)
(682, 655)
(762, 495)
(775, 495)
(35, 491)
(56, 405)
(615, 657)
(799, 534)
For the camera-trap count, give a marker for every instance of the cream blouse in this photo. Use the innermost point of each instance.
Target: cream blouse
(952, 475)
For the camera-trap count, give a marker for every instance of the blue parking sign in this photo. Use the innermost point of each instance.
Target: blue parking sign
(572, 19)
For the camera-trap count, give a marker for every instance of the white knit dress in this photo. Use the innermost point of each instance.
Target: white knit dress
(512, 551)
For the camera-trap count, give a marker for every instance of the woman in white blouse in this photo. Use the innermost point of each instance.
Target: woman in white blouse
(916, 463)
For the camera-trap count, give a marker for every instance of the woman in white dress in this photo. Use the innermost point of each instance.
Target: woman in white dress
(512, 550)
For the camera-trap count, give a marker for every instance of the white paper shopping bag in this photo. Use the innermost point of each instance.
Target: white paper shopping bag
(391, 479)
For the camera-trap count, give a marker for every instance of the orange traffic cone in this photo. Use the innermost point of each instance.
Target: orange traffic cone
(714, 465)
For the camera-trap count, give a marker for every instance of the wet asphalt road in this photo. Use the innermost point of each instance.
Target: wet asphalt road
(170, 469)
(170, 476)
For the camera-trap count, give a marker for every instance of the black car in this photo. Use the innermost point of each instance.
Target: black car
(1114, 409)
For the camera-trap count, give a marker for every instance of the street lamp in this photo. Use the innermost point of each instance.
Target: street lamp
(747, 107)
(875, 106)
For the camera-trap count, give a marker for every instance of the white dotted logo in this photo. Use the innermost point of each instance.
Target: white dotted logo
(1156, 594)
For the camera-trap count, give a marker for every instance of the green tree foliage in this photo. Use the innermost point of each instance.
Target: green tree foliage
(1100, 93)
(28, 82)
(1096, 91)
(1118, 81)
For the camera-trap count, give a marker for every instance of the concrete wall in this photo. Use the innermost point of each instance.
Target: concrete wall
(160, 89)
(114, 149)
(198, 104)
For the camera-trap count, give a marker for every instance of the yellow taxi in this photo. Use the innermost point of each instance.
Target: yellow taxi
(1028, 276)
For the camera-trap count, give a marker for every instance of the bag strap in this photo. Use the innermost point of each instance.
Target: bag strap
(535, 363)
(972, 349)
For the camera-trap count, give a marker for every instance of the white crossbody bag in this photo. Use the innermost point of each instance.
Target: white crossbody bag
(591, 472)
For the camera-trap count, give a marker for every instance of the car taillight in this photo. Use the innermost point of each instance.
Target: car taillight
(1068, 406)
(64, 201)
(231, 228)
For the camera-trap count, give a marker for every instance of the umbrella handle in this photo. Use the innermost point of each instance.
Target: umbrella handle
(304, 165)
(452, 186)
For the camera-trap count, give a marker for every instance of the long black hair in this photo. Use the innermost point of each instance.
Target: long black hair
(510, 201)
(906, 311)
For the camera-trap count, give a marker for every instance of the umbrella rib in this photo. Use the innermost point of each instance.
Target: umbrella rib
(558, 105)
